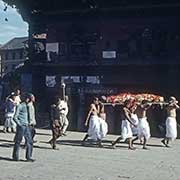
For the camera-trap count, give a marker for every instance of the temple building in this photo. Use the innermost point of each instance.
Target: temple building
(99, 47)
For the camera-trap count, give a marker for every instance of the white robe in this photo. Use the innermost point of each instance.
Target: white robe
(103, 128)
(126, 131)
(94, 127)
(171, 128)
(9, 122)
(135, 121)
(143, 128)
(98, 128)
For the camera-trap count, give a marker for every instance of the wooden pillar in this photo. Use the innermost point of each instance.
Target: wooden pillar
(81, 111)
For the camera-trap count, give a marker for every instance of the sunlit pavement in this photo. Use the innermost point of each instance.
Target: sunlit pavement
(76, 162)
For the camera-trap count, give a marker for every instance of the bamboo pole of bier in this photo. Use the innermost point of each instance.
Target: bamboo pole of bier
(122, 103)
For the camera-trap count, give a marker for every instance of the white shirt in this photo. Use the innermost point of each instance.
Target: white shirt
(17, 100)
(63, 105)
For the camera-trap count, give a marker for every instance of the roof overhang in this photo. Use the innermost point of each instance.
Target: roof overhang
(29, 8)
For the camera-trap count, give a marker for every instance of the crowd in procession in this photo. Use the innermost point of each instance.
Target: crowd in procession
(133, 122)
(20, 119)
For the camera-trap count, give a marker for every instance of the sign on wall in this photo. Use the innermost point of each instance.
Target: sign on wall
(75, 79)
(50, 81)
(93, 79)
(109, 54)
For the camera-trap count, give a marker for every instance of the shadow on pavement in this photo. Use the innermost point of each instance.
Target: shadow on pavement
(8, 145)
(5, 145)
(152, 145)
(4, 140)
(41, 147)
(10, 159)
(155, 145)
(94, 145)
(6, 159)
(89, 144)
(43, 134)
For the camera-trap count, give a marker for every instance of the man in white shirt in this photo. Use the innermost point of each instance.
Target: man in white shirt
(17, 96)
(63, 108)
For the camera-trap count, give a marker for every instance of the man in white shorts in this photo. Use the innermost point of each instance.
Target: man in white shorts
(171, 124)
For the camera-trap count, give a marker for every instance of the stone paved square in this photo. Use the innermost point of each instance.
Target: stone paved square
(75, 162)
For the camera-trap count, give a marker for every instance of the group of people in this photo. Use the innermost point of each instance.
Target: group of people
(59, 120)
(20, 119)
(134, 122)
(11, 102)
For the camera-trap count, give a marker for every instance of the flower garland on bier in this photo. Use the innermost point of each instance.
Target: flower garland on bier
(122, 97)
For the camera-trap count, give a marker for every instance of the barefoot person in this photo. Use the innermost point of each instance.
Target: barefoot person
(171, 124)
(126, 131)
(94, 122)
(134, 119)
(143, 126)
(55, 122)
(102, 121)
(63, 115)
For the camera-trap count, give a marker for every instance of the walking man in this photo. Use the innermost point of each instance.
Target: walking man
(32, 118)
(21, 118)
(55, 115)
(126, 131)
(96, 122)
(63, 107)
(171, 124)
(143, 125)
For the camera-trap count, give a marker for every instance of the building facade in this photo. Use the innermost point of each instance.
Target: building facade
(12, 54)
(102, 48)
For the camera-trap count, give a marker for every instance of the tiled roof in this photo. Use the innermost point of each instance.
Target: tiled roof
(15, 43)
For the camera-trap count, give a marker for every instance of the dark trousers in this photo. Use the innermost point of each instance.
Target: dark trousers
(33, 131)
(56, 132)
(23, 131)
